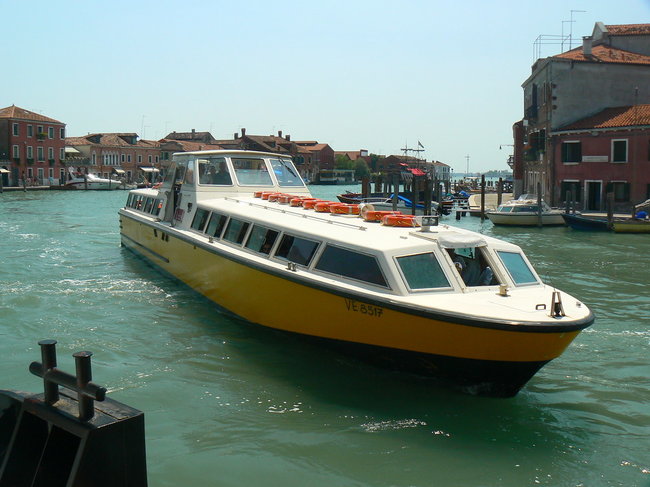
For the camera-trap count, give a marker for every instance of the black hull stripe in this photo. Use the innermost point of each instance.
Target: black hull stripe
(528, 327)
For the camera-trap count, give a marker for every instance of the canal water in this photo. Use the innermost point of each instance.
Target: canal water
(230, 404)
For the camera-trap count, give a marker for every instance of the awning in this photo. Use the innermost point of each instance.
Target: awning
(148, 169)
(118, 171)
(71, 150)
(417, 172)
(454, 240)
(3, 170)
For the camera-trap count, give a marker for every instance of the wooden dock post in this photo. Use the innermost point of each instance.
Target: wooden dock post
(539, 205)
(482, 198)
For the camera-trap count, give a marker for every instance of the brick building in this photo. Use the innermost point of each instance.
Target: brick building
(114, 153)
(607, 152)
(611, 69)
(32, 147)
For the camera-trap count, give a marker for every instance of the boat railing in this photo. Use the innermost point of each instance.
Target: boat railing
(309, 216)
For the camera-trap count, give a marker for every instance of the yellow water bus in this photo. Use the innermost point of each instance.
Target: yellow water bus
(241, 228)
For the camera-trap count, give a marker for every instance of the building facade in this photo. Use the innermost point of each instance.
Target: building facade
(32, 147)
(606, 153)
(114, 153)
(610, 69)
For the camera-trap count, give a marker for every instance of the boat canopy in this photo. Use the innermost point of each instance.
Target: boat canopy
(455, 240)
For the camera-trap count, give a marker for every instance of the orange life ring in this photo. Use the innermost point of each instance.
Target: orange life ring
(296, 201)
(266, 194)
(377, 215)
(275, 196)
(399, 221)
(323, 206)
(308, 204)
(257, 194)
(344, 209)
(285, 199)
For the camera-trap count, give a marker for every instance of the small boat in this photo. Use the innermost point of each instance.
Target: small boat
(582, 222)
(92, 181)
(638, 224)
(491, 202)
(386, 202)
(525, 211)
(431, 299)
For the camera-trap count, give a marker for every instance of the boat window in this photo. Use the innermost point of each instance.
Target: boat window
(296, 249)
(473, 266)
(179, 174)
(252, 172)
(217, 222)
(348, 263)
(261, 239)
(517, 267)
(148, 204)
(214, 171)
(525, 208)
(236, 231)
(505, 209)
(286, 173)
(200, 219)
(138, 202)
(422, 271)
(189, 172)
(157, 207)
(129, 200)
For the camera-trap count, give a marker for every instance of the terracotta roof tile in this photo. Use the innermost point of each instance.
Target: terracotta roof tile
(20, 113)
(628, 116)
(628, 29)
(604, 54)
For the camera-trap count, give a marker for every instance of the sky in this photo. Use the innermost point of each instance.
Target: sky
(376, 75)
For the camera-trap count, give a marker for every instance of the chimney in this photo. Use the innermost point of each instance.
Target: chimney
(586, 45)
(288, 137)
(193, 134)
(243, 132)
(280, 133)
(235, 136)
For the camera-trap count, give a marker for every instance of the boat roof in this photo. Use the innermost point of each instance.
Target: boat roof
(350, 229)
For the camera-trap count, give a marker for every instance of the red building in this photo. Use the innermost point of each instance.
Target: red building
(32, 147)
(603, 153)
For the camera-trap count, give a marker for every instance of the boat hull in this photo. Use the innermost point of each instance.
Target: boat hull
(524, 219)
(631, 226)
(491, 358)
(95, 185)
(579, 222)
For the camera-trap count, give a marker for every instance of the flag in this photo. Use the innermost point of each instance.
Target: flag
(420, 144)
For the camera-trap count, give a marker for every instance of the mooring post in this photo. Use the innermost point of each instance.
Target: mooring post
(48, 357)
(482, 197)
(84, 376)
(539, 205)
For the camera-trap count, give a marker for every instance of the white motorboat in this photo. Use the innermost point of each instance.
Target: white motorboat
(92, 181)
(525, 211)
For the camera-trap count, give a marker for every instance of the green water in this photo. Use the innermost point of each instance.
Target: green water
(230, 404)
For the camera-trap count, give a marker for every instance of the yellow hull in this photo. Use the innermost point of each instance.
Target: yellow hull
(285, 302)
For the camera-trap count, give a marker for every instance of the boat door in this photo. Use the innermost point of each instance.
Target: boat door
(593, 195)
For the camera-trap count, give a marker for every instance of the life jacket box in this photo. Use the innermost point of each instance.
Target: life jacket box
(48, 445)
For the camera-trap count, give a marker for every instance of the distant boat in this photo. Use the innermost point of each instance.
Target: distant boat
(525, 211)
(385, 203)
(92, 181)
(581, 222)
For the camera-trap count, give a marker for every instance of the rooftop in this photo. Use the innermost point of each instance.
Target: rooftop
(627, 116)
(21, 114)
(604, 54)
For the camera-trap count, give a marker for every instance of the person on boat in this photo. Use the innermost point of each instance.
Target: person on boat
(217, 177)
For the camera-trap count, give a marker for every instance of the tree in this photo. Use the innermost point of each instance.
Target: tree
(341, 161)
(361, 169)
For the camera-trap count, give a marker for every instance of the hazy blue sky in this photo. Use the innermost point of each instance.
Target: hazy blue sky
(376, 75)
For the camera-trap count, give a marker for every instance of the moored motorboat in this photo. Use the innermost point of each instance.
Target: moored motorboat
(438, 300)
(582, 222)
(92, 181)
(525, 211)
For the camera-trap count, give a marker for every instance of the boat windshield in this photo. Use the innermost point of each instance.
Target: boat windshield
(252, 172)
(286, 173)
(517, 267)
